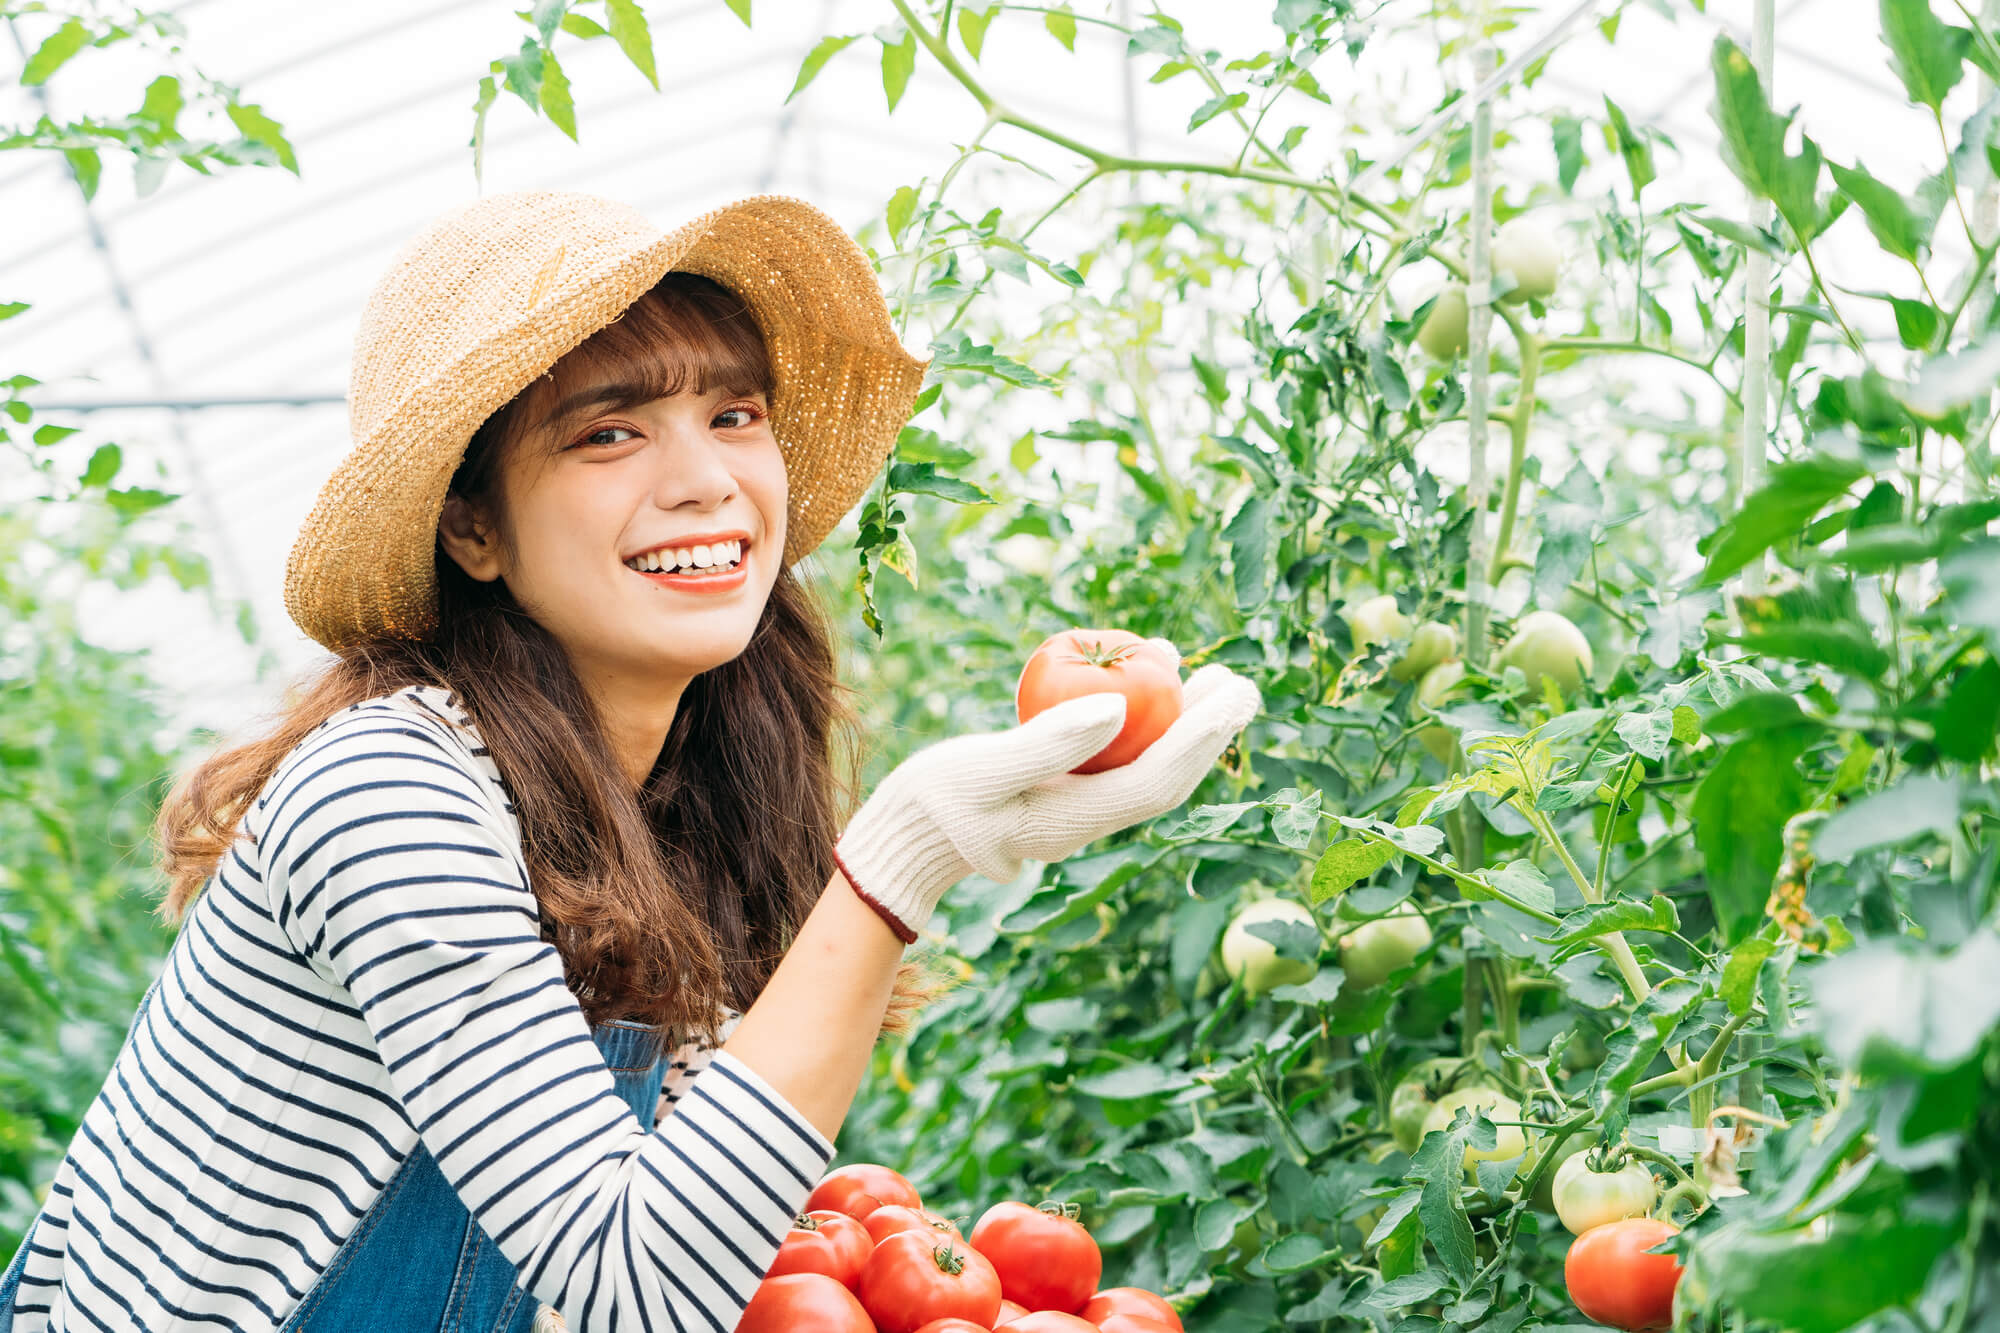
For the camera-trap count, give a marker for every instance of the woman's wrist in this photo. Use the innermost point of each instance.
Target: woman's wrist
(895, 923)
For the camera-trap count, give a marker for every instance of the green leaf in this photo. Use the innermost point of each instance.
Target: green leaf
(898, 60)
(1921, 803)
(955, 351)
(556, 98)
(1132, 1082)
(923, 479)
(1593, 920)
(1206, 821)
(260, 128)
(1750, 238)
(1297, 1253)
(1294, 823)
(1216, 1220)
(972, 21)
(816, 60)
(1250, 539)
(103, 466)
(1345, 864)
(1739, 974)
(1927, 54)
(1916, 322)
(1739, 811)
(1806, 1284)
(547, 14)
(902, 207)
(1522, 880)
(578, 25)
(133, 501)
(1646, 734)
(1214, 107)
(741, 9)
(1902, 231)
(1970, 578)
(1892, 1008)
(1440, 1164)
(1777, 511)
(1753, 142)
(1970, 718)
(1953, 380)
(162, 104)
(1638, 154)
(55, 49)
(635, 38)
(1061, 23)
(1566, 135)
(1629, 1050)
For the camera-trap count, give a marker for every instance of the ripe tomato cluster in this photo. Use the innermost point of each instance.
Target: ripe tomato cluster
(867, 1257)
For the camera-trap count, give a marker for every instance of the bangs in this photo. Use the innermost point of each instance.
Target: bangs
(687, 334)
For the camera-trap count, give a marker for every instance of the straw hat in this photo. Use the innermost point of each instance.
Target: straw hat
(489, 296)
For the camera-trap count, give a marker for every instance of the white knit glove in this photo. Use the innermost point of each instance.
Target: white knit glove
(985, 802)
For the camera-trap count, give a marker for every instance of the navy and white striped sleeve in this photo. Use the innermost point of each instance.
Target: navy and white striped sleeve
(394, 875)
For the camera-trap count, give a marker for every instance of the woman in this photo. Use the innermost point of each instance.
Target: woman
(557, 830)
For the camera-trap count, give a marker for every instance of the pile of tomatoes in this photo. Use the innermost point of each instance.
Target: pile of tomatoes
(867, 1257)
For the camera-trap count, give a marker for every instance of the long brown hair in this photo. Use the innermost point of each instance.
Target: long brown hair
(664, 904)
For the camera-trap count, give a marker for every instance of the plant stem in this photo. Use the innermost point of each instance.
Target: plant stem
(1579, 344)
(1613, 941)
(1517, 453)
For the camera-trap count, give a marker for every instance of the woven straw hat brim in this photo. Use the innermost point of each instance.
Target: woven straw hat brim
(492, 295)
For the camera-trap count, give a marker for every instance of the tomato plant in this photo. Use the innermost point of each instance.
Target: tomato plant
(1045, 1257)
(1098, 661)
(1612, 1278)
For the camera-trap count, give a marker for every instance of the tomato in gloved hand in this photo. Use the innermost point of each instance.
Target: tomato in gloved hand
(1614, 1281)
(803, 1300)
(1045, 1258)
(1105, 661)
(912, 1279)
(860, 1189)
(1129, 1301)
(827, 1242)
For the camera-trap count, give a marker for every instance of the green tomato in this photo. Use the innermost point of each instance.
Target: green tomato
(1377, 620)
(1443, 330)
(1526, 250)
(1438, 682)
(1586, 1198)
(1509, 1140)
(1255, 961)
(1415, 1095)
(1547, 646)
(1374, 949)
(1430, 643)
(1545, 1189)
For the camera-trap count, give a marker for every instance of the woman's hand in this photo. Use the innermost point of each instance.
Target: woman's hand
(986, 802)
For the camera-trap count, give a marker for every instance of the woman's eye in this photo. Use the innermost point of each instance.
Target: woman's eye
(604, 430)
(749, 415)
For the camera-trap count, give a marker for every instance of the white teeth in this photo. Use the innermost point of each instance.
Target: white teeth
(697, 557)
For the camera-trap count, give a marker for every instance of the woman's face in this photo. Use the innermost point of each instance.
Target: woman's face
(593, 481)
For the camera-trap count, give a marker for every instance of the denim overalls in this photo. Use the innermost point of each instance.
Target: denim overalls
(417, 1261)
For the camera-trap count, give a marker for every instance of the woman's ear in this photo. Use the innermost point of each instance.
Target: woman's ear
(470, 539)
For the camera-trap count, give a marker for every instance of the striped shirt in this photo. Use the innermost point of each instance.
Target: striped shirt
(368, 974)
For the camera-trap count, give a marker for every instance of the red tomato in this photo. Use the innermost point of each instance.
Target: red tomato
(824, 1242)
(953, 1326)
(911, 1280)
(803, 1300)
(1009, 1310)
(1105, 661)
(1132, 1301)
(860, 1189)
(1052, 1321)
(1134, 1323)
(1614, 1281)
(1046, 1261)
(887, 1220)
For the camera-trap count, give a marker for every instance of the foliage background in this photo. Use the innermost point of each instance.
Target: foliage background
(1235, 341)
